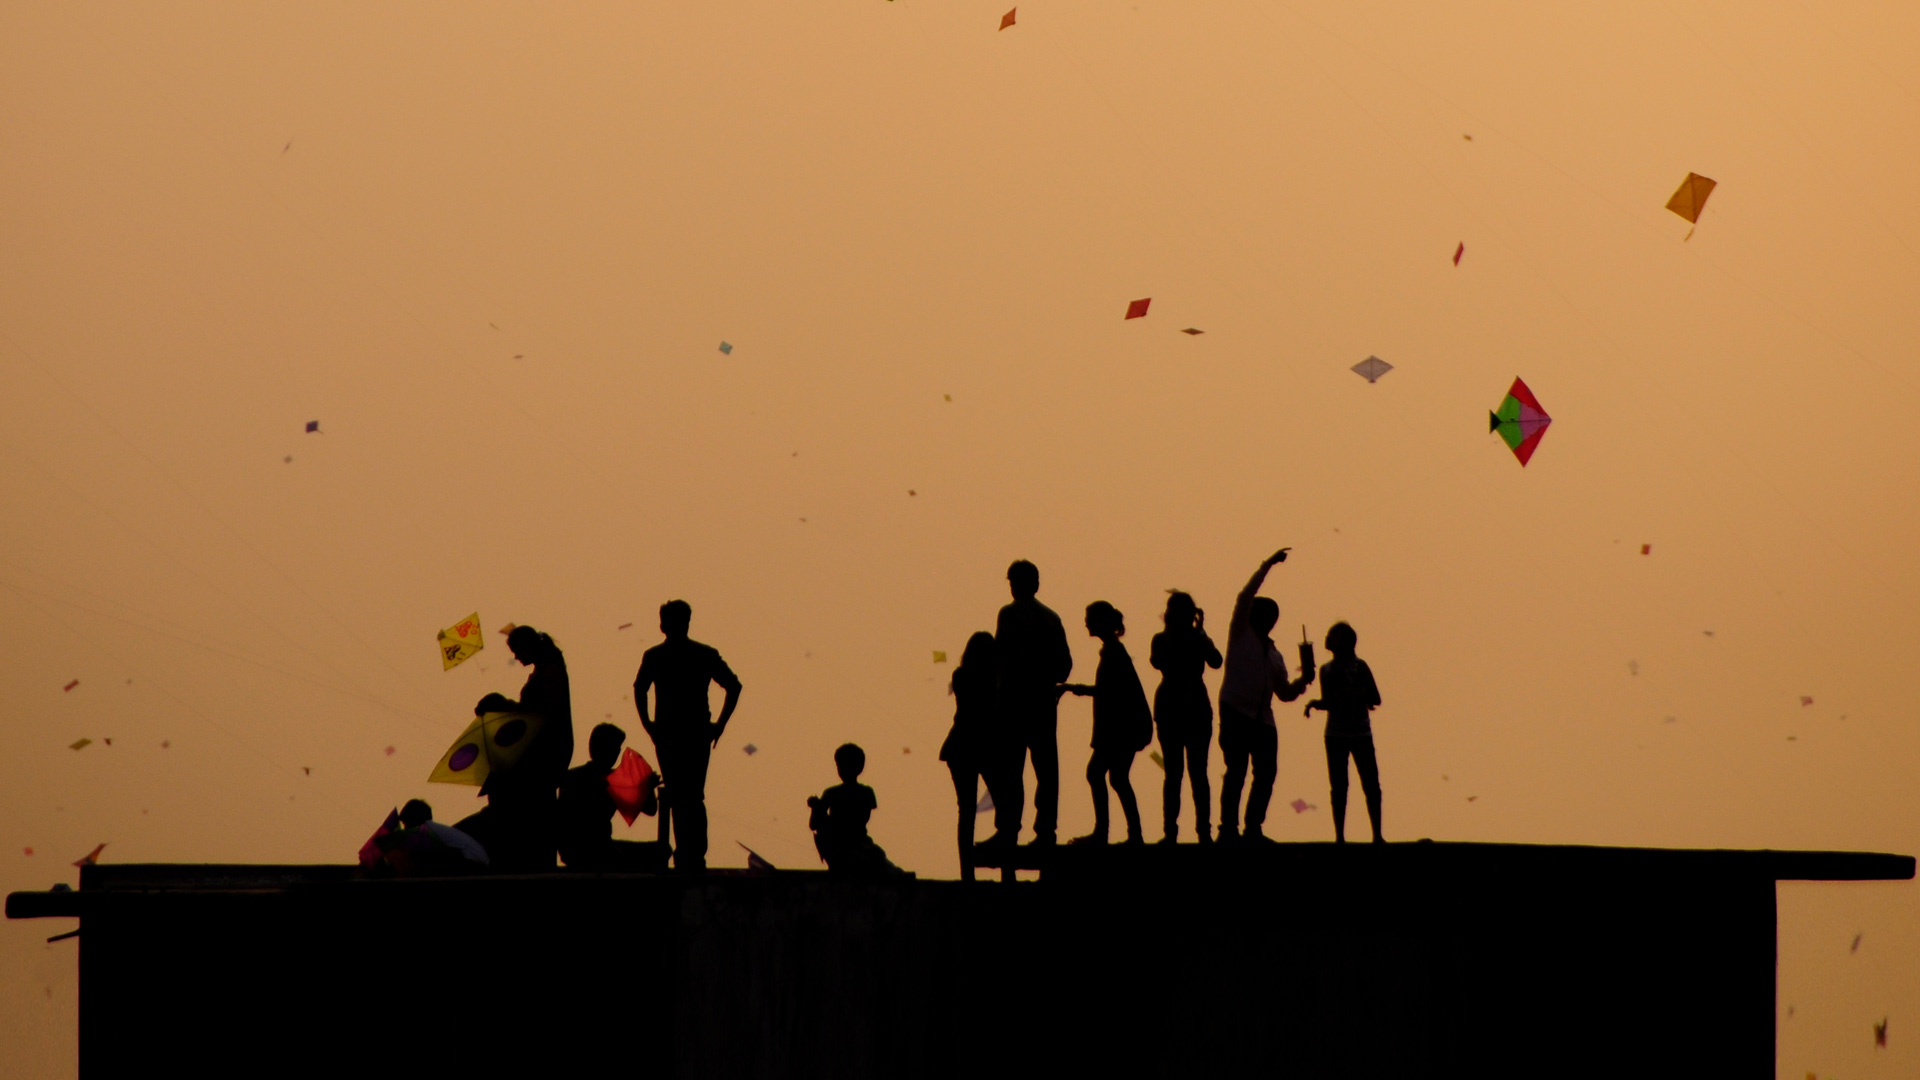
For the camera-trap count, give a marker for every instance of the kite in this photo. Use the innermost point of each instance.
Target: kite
(1856, 943)
(370, 851)
(1301, 806)
(314, 426)
(1459, 251)
(389, 750)
(289, 459)
(80, 744)
(632, 784)
(91, 858)
(460, 641)
(507, 629)
(1007, 19)
(623, 626)
(755, 864)
(1520, 421)
(910, 491)
(939, 657)
(949, 397)
(1805, 700)
(906, 749)
(1371, 369)
(750, 749)
(726, 349)
(1193, 330)
(985, 807)
(492, 743)
(1137, 309)
(1880, 1033)
(1646, 549)
(71, 685)
(1691, 198)
(29, 851)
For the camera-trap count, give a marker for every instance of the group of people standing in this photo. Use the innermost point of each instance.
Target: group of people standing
(1008, 686)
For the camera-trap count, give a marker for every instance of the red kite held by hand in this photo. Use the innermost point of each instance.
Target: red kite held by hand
(1138, 309)
(1007, 19)
(632, 784)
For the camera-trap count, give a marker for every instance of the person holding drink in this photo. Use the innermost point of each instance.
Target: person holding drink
(1256, 674)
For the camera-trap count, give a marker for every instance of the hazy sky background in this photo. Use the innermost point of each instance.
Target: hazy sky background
(494, 250)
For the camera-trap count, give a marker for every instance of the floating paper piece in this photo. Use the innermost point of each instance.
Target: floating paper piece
(91, 858)
(1157, 759)
(755, 864)
(1691, 198)
(1194, 330)
(460, 641)
(313, 426)
(1371, 368)
(491, 744)
(1520, 421)
(1459, 251)
(1805, 701)
(750, 749)
(1646, 549)
(985, 807)
(79, 744)
(71, 685)
(1007, 19)
(726, 348)
(939, 657)
(632, 785)
(1137, 309)
(1301, 806)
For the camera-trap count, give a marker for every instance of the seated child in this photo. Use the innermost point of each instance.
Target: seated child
(1348, 694)
(423, 847)
(586, 809)
(839, 820)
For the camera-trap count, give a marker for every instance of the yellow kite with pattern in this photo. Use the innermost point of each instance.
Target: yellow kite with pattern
(491, 744)
(459, 641)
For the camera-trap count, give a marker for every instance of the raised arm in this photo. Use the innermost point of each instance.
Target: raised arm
(1245, 600)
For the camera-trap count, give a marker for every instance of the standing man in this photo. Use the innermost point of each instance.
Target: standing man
(1256, 671)
(683, 730)
(1031, 648)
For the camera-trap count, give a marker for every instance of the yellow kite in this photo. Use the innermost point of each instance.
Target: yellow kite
(459, 641)
(1692, 197)
(492, 743)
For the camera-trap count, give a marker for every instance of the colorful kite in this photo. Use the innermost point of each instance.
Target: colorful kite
(1520, 421)
(1692, 197)
(1137, 309)
(1371, 368)
(370, 852)
(491, 744)
(632, 784)
(460, 641)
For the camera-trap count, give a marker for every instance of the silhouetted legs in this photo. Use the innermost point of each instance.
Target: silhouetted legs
(1036, 723)
(966, 792)
(683, 775)
(1189, 752)
(1361, 747)
(1245, 741)
(1116, 766)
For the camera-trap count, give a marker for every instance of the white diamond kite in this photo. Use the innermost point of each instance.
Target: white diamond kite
(1372, 368)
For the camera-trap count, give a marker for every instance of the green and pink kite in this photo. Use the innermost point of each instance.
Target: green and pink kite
(1520, 421)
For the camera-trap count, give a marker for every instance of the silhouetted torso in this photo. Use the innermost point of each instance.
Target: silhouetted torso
(586, 815)
(1121, 721)
(520, 831)
(976, 736)
(680, 671)
(1031, 646)
(1182, 658)
(1033, 659)
(1348, 690)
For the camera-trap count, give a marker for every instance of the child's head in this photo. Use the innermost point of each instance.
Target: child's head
(1341, 639)
(1180, 609)
(603, 745)
(1104, 620)
(1263, 614)
(850, 760)
(416, 813)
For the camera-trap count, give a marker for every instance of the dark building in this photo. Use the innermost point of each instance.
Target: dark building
(1295, 960)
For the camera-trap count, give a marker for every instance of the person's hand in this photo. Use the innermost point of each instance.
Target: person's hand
(714, 732)
(1308, 711)
(1278, 556)
(1199, 618)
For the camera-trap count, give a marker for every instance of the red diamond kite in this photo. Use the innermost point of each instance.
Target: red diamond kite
(1138, 309)
(1520, 421)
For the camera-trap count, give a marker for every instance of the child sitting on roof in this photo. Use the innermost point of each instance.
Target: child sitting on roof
(839, 820)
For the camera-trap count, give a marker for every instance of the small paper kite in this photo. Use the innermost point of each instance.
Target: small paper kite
(460, 641)
(906, 749)
(755, 864)
(29, 851)
(1459, 251)
(1007, 19)
(80, 744)
(985, 807)
(1470, 798)
(939, 657)
(633, 785)
(1371, 368)
(1646, 549)
(1691, 198)
(1520, 421)
(750, 749)
(910, 491)
(1856, 943)
(507, 629)
(289, 459)
(1301, 806)
(726, 348)
(109, 742)
(91, 858)
(623, 626)
(71, 685)
(1194, 330)
(1880, 1033)
(1805, 700)
(389, 751)
(313, 426)
(1137, 309)
(164, 744)
(307, 769)
(370, 852)
(949, 397)
(1158, 760)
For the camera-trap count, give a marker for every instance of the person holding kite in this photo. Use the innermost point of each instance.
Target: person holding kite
(591, 794)
(1348, 695)
(520, 827)
(1256, 674)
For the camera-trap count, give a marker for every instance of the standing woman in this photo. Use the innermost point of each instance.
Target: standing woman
(524, 831)
(973, 750)
(1182, 709)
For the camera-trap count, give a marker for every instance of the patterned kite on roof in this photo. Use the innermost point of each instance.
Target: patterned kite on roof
(1520, 421)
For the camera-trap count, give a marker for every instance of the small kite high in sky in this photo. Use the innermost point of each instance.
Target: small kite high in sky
(1692, 197)
(91, 858)
(1371, 368)
(1520, 421)
(80, 744)
(1459, 251)
(1007, 19)
(1193, 330)
(1138, 309)
(313, 426)
(726, 348)
(460, 641)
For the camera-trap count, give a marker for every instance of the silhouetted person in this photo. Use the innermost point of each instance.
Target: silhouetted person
(1122, 723)
(1256, 673)
(684, 733)
(422, 847)
(840, 816)
(586, 806)
(1349, 696)
(1182, 711)
(978, 746)
(1034, 659)
(519, 827)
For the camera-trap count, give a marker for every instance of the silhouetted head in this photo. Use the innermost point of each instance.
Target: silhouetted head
(603, 746)
(1023, 578)
(416, 813)
(1341, 639)
(1263, 614)
(1104, 620)
(977, 659)
(530, 646)
(850, 761)
(675, 617)
(1180, 609)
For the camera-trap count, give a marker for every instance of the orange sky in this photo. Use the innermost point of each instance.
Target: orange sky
(494, 249)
